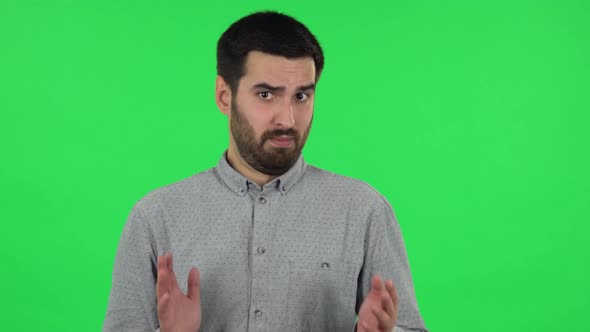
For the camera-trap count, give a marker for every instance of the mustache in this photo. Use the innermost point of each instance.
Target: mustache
(280, 132)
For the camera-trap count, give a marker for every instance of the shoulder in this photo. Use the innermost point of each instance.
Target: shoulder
(358, 191)
(176, 194)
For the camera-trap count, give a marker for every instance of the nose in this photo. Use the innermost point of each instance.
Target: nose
(284, 117)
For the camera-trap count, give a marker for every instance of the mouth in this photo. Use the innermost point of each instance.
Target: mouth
(282, 141)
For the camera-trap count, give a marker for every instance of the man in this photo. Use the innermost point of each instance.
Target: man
(263, 241)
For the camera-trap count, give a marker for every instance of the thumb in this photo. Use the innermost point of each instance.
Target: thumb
(194, 284)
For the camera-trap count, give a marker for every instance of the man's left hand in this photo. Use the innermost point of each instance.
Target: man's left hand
(378, 313)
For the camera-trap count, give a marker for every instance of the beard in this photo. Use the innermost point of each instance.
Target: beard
(273, 160)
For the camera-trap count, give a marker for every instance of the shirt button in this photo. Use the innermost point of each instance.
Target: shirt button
(241, 190)
(257, 313)
(284, 188)
(325, 265)
(261, 250)
(262, 200)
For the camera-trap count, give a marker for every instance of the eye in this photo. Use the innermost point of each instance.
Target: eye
(266, 95)
(301, 96)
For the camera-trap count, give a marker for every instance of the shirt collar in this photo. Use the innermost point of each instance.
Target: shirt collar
(239, 183)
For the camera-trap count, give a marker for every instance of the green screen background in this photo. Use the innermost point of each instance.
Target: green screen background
(470, 117)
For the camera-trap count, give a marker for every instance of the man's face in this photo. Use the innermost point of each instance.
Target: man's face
(271, 113)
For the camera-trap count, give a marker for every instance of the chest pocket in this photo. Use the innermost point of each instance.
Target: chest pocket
(321, 295)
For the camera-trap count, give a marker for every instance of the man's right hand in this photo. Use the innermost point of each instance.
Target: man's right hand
(177, 312)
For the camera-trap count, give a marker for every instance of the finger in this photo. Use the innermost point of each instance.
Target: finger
(163, 305)
(370, 327)
(159, 265)
(194, 285)
(162, 278)
(162, 262)
(173, 281)
(162, 283)
(364, 326)
(377, 283)
(387, 303)
(383, 319)
(368, 323)
(170, 261)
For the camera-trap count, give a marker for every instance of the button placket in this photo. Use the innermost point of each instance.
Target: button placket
(261, 259)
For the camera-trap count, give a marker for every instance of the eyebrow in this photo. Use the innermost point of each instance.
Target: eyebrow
(266, 86)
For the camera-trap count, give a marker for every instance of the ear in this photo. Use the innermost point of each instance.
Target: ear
(223, 95)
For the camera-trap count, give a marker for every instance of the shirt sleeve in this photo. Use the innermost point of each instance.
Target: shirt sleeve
(132, 301)
(385, 255)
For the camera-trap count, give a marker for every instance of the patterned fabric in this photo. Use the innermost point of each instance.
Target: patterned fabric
(296, 254)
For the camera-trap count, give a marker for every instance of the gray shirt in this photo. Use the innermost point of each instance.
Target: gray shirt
(296, 254)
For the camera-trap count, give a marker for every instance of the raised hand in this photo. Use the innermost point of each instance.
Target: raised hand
(379, 309)
(177, 312)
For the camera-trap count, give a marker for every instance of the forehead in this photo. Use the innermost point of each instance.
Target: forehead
(278, 70)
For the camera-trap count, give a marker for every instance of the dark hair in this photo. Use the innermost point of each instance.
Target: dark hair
(269, 32)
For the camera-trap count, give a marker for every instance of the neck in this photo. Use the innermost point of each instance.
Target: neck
(241, 166)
